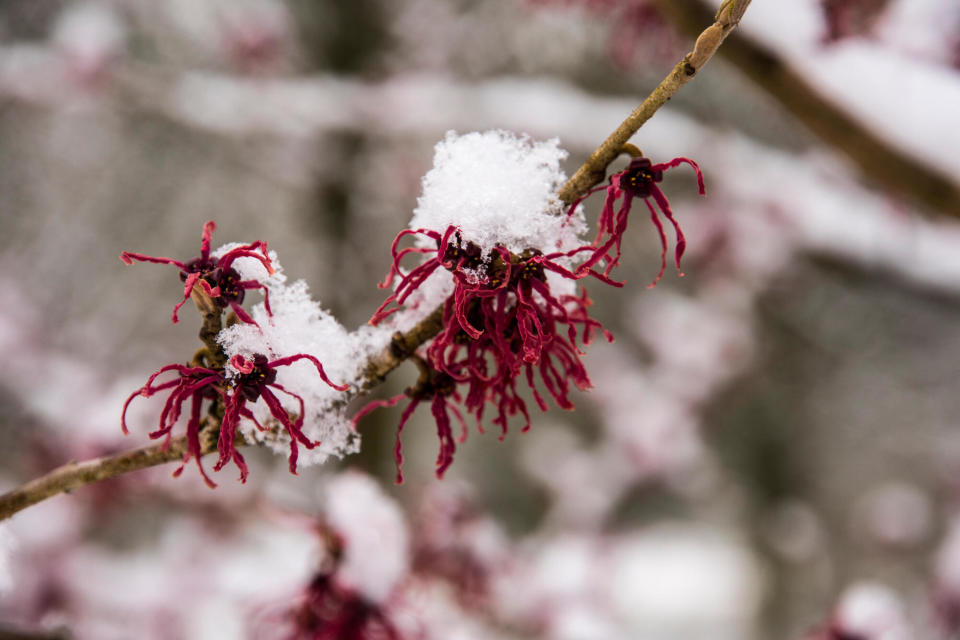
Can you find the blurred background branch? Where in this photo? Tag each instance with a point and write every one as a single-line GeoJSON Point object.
{"type": "Point", "coordinates": [885, 168]}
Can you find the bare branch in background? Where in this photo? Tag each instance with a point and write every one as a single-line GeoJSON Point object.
{"type": "Point", "coordinates": [879, 161]}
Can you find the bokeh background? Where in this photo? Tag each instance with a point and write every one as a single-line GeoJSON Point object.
{"type": "Point", "coordinates": [771, 449]}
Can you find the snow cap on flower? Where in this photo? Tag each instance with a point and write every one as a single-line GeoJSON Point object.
{"type": "Point", "coordinates": [376, 552]}
{"type": "Point", "coordinates": [498, 189]}
{"type": "Point", "coordinates": [490, 227]}
{"type": "Point", "coordinates": [298, 325]}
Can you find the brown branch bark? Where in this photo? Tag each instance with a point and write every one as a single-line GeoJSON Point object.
{"type": "Point", "coordinates": [594, 169]}
{"type": "Point", "coordinates": [879, 161]}
{"type": "Point", "coordinates": [77, 474]}
{"type": "Point", "coordinates": [74, 474]}
{"type": "Point", "coordinates": [401, 347]}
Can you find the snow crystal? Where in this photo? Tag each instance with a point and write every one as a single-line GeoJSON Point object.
{"type": "Point", "coordinates": [376, 549]}
{"type": "Point", "coordinates": [253, 269]}
{"type": "Point", "coordinates": [300, 325]}
{"type": "Point", "coordinates": [498, 188]}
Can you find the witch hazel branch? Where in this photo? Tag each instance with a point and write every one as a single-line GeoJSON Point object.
{"type": "Point", "coordinates": [488, 297]}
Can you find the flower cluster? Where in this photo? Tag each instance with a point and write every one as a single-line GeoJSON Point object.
{"type": "Point", "coordinates": [503, 320]}
{"type": "Point", "coordinates": [216, 276]}
{"type": "Point", "coordinates": [235, 383]}
{"type": "Point", "coordinates": [511, 310]}
{"type": "Point", "coordinates": [498, 254]}
{"type": "Point", "coordinates": [255, 379]}
{"type": "Point", "coordinates": [356, 589]}
{"type": "Point", "coordinates": [195, 384]}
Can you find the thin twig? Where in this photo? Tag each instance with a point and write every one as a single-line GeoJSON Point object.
{"type": "Point", "coordinates": [77, 474]}
{"type": "Point", "coordinates": [401, 347]}
{"type": "Point", "coordinates": [594, 169]}
{"type": "Point", "coordinates": [888, 167]}
{"type": "Point", "coordinates": [74, 474]}
{"type": "Point", "coordinates": [210, 327]}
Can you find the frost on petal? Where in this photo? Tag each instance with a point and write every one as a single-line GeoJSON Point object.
{"type": "Point", "coordinates": [497, 188]}
{"type": "Point", "coordinates": [376, 547]}
{"type": "Point", "coordinates": [252, 269]}
{"type": "Point", "coordinates": [299, 325]}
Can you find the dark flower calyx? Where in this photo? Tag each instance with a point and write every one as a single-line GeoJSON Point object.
{"type": "Point", "coordinates": [253, 376]}
{"type": "Point", "coordinates": [459, 255]}
{"type": "Point", "coordinates": [639, 176]}
{"type": "Point", "coordinates": [431, 383]}
{"type": "Point", "coordinates": [226, 282]}
{"type": "Point", "coordinates": [216, 276]}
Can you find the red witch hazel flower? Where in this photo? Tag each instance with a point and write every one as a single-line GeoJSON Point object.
{"type": "Point", "coordinates": [192, 383]}
{"type": "Point", "coordinates": [216, 276]}
{"type": "Point", "coordinates": [439, 388]}
{"type": "Point", "coordinates": [512, 309]}
{"type": "Point", "coordinates": [638, 180]}
{"type": "Point", "coordinates": [253, 379]}
{"type": "Point", "coordinates": [502, 313]}
{"type": "Point", "coordinates": [357, 591]}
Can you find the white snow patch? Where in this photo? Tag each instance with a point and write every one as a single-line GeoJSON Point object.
{"type": "Point", "coordinates": [299, 325]}
{"type": "Point", "coordinates": [872, 611]}
{"type": "Point", "coordinates": [498, 189]}
{"type": "Point", "coordinates": [692, 581]}
{"type": "Point", "coordinates": [376, 551]}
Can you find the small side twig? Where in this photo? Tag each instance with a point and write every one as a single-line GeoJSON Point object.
{"type": "Point", "coordinates": [594, 169]}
